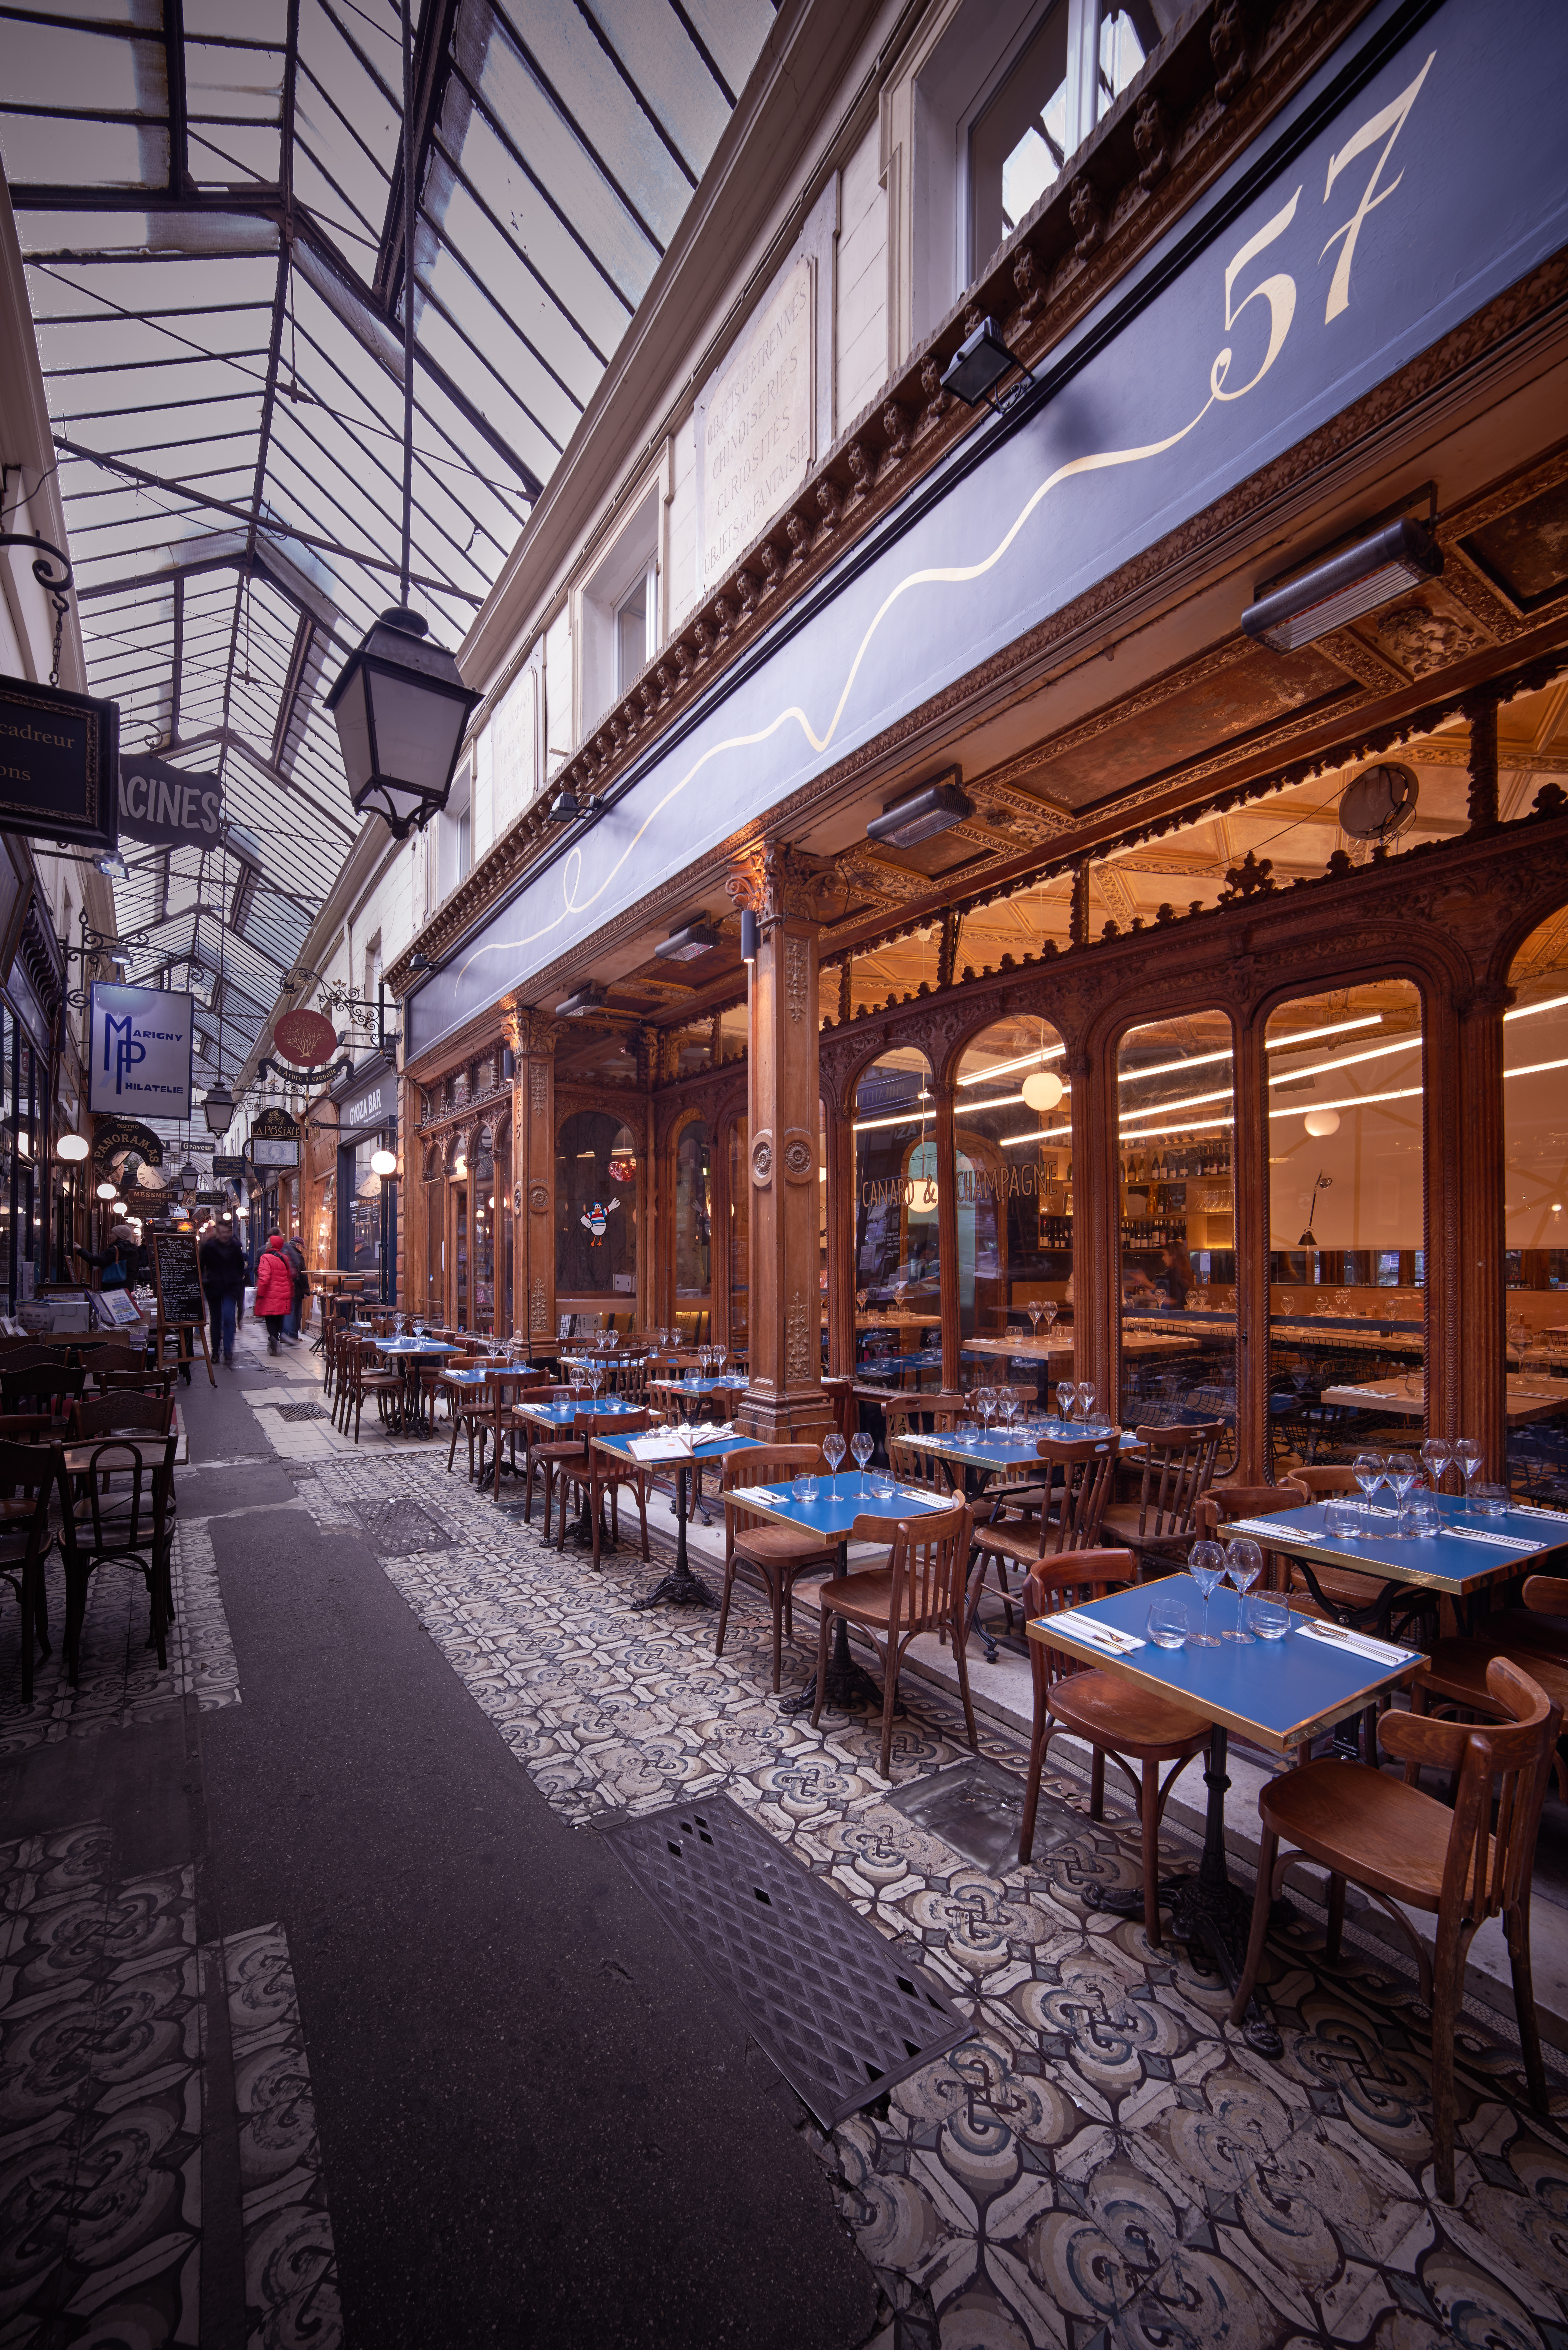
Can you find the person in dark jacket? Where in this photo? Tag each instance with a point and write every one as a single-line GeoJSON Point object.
{"type": "Point", "coordinates": [301, 1281]}
{"type": "Point", "coordinates": [274, 1289]}
{"type": "Point", "coordinates": [223, 1283]}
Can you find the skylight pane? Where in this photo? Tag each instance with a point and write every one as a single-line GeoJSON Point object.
{"type": "Point", "coordinates": [227, 155]}
{"type": "Point", "coordinates": [87, 72]}
{"type": "Point", "coordinates": [223, 82]}
{"type": "Point", "coordinates": [516, 293]}
{"type": "Point", "coordinates": [653, 46]}
{"type": "Point", "coordinates": [733, 32]}
{"type": "Point", "coordinates": [515, 426]}
{"type": "Point", "coordinates": [471, 312]}
{"type": "Point", "coordinates": [239, 20]}
{"type": "Point", "coordinates": [43, 150]}
{"type": "Point", "coordinates": [577, 286]}
{"type": "Point", "coordinates": [605, 112]}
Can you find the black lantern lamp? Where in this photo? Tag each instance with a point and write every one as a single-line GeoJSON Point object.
{"type": "Point", "coordinates": [218, 1109]}
{"type": "Point", "coordinates": [400, 705]}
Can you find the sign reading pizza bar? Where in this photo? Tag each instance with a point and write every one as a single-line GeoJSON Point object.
{"type": "Point", "coordinates": [141, 1043]}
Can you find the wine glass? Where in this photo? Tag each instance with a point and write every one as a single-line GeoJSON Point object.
{"type": "Point", "coordinates": [419, 1326]}
{"type": "Point", "coordinates": [1437, 1452]}
{"type": "Point", "coordinates": [1050, 1309]}
{"type": "Point", "coordinates": [862, 1445]}
{"type": "Point", "coordinates": [1368, 1468]}
{"type": "Point", "coordinates": [1035, 1310]}
{"type": "Point", "coordinates": [1469, 1456]}
{"type": "Point", "coordinates": [1085, 1398]}
{"type": "Point", "coordinates": [1399, 1475]}
{"type": "Point", "coordinates": [985, 1404]}
{"type": "Point", "coordinates": [1206, 1565]}
{"type": "Point", "coordinates": [1243, 1565]}
{"type": "Point", "coordinates": [832, 1451]}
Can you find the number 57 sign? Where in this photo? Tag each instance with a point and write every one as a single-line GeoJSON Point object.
{"type": "Point", "coordinates": [141, 1043]}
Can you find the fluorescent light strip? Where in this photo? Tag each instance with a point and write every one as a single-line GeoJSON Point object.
{"type": "Point", "coordinates": [1528, 1011]}
{"type": "Point", "coordinates": [1047, 1134]}
{"type": "Point", "coordinates": [1187, 1101]}
{"type": "Point", "coordinates": [1535, 1068]}
{"type": "Point", "coordinates": [1024, 1061]}
{"type": "Point", "coordinates": [1182, 1126]}
{"type": "Point", "coordinates": [1004, 1101]}
{"type": "Point", "coordinates": [1350, 1101]}
{"type": "Point", "coordinates": [1279, 1045]}
{"type": "Point", "coordinates": [905, 1118]}
{"type": "Point", "coordinates": [1408, 1043]}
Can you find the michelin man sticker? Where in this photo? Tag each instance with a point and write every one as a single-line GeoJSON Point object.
{"type": "Point", "coordinates": [595, 1220]}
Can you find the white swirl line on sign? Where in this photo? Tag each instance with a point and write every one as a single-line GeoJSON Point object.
{"type": "Point", "coordinates": [952, 575]}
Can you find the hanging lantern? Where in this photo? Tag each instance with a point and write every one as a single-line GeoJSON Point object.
{"type": "Point", "coordinates": [383, 1163]}
{"type": "Point", "coordinates": [72, 1147]}
{"type": "Point", "coordinates": [400, 708]}
{"type": "Point", "coordinates": [105, 1191]}
{"type": "Point", "coordinates": [218, 1109]}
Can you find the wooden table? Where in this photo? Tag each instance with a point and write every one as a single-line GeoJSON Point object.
{"type": "Point", "coordinates": [1526, 1399]}
{"type": "Point", "coordinates": [831, 1513]}
{"type": "Point", "coordinates": [680, 1585]}
{"type": "Point", "coordinates": [1278, 1693]}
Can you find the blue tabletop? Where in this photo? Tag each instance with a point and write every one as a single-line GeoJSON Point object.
{"type": "Point", "coordinates": [725, 1381]}
{"type": "Point", "coordinates": [563, 1411]}
{"type": "Point", "coordinates": [1013, 1449]}
{"type": "Point", "coordinates": [1276, 1691]}
{"type": "Point", "coordinates": [477, 1377]}
{"type": "Point", "coordinates": [927, 1358]}
{"type": "Point", "coordinates": [1469, 1551]}
{"type": "Point", "coordinates": [415, 1346]}
{"type": "Point", "coordinates": [707, 1448]}
{"type": "Point", "coordinates": [838, 1502]}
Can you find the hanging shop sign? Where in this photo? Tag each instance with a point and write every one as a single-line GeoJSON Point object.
{"type": "Point", "coordinates": [167, 807]}
{"type": "Point", "coordinates": [369, 1099]}
{"type": "Point", "coordinates": [142, 1039]}
{"type": "Point", "coordinates": [229, 1170]}
{"type": "Point", "coordinates": [114, 1138]}
{"type": "Point", "coordinates": [304, 1037]}
{"type": "Point", "coordinates": [1411, 182]}
{"type": "Point", "coordinates": [273, 1140]}
{"type": "Point", "coordinates": [57, 760]}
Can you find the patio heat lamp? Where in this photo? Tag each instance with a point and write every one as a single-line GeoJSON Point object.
{"type": "Point", "coordinates": [400, 703]}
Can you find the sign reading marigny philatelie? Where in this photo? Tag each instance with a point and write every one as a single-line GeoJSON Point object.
{"type": "Point", "coordinates": [164, 806]}
{"type": "Point", "coordinates": [142, 1039]}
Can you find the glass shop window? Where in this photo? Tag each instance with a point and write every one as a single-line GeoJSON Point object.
{"type": "Point", "coordinates": [324, 1237]}
{"type": "Point", "coordinates": [1013, 1117]}
{"type": "Point", "coordinates": [898, 1271]}
{"type": "Point", "coordinates": [1176, 1112]}
{"type": "Point", "coordinates": [693, 1212]}
{"type": "Point", "coordinates": [597, 1180]}
{"type": "Point", "coordinates": [501, 1214]}
{"type": "Point", "coordinates": [365, 1212]}
{"type": "Point", "coordinates": [1535, 1213]}
{"type": "Point", "coordinates": [482, 1191]}
{"type": "Point", "coordinates": [1348, 1337]}
{"type": "Point", "coordinates": [434, 1303]}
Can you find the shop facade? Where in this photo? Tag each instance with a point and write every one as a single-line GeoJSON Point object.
{"type": "Point", "coordinates": [1047, 1055]}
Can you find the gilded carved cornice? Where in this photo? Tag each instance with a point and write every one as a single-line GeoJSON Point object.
{"type": "Point", "coordinates": [1219, 82]}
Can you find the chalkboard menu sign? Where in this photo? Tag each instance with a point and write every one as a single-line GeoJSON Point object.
{"type": "Point", "coordinates": [177, 1277]}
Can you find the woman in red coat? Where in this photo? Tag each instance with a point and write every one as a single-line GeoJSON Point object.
{"type": "Point", "coordinates": [274, 1289]}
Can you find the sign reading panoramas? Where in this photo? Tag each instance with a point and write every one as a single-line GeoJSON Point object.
{"type": "Point", "coordinates": [755, 446]}
{"type": "Point", "coordinates": [1406, 186]}
{"type": "Point", "coordinates": [141, 1047]}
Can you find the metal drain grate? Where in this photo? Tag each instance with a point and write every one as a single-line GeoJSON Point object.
{"type": "Point", "coordinates": [300, 1410]}
{"type": "Point", "coordinates": [395, 1529]}
{"type": "Point", "coordinates": [843, 2012]}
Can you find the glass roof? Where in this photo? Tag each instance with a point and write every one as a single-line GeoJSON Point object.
{"type": "Point", "coordinates": [209, 199]}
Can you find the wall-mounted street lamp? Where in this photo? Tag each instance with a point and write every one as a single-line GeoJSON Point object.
{"type": "Point", "coordinates": [978, 366]}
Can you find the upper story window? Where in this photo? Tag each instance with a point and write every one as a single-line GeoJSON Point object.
{"type": "Point", "coordinates": [453, 831]}
{"type": "Point", "coordinates": [618, 609]}
{"type": "Point", "coordinates": [634, 636]}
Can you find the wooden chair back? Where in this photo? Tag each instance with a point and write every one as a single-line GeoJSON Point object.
{"type": "Point", "coordinates": [27, 1473]}
{"type": "Point", "coordinates": [1086, 1464]}
{"type": "Point", "coordinates": [1546, 1595]}
{"type": "Point", "coordinates": [938, 1414]}
{"type": "Point", "coordinates": [43, 1383]}
{"type": "Point", "coordinates": [1177, 1469]}
{"type": "Point", "coordinates": [1506, 1764]}
{"type": "Point", "coordinates": [1220, 1504]}
{"type": "Point", "coordinates": [928, 1563]}
{"type": "Point", "coordinates": [26, 1428]}
{"type": "Point", "coordinates": [771, 1464]}
{"type": "Point", "coordinates": [124, 1521]}
{"type": "Point", "coordinates": [143, 1382]}
{"type": "Point", "coordinates": [99, 1361]}
{"type": "Point", "coordinates": [1067, 1582]}
{"type": "Point", "coordinates": [1322, 1484]}
{"type": "Point", "coordinates": [95, 1415]}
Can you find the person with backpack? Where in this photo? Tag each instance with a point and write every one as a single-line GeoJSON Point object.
{"type": "Point", "coordinates": [223, 1285]}
{"type": "Point", "coordinates": [274, 1289]}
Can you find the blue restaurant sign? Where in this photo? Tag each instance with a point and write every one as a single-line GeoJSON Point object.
{"type": "Point", "coordinates": [1417, 176]}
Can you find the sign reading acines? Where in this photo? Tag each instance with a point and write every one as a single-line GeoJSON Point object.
{"type": "Point", "coordinates": [139, 1053]}
{"type": "Point", "coordinates": [166, 806]}
{"type": "Point", "coordinates": [111, 1135]}
{"type": "Point", "coordinates": [275, 1139]}
{"type": "Point", "coordinates": [755, 446]}
{"type": "Point", "coordinates": [57, 755]}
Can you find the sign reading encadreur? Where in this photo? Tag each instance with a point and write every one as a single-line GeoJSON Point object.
{"type": "Point", "coordinates": [142, 1043]}
{"type": "Point", "coordinates": [165, 806]}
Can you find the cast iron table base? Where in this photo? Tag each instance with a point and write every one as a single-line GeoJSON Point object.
{"type": "Point", "coordinates": [1208, 1911]}
{"type": "Point", "coordinates": [679, 1585]}
{"type": "Point", "coordinates": [847, 1685]}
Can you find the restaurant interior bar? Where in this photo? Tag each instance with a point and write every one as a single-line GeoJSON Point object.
{"type": "Point", "coordinates": [880, 999]}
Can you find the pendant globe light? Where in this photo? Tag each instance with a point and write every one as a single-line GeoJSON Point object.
{"type": "Point", "coordinates": [400, 704]}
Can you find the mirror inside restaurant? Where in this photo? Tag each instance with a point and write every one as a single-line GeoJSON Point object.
{"type": "Point", "coordinates": [898, 1286]}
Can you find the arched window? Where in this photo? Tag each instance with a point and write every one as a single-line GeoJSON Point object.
{"type": "Point", "coordinates": [596, 1184]}
{"type": "Point", "coordinates": [693, 1216]}
{"type": "Point", "coordinates": [898, 1270]}
{"type": "Point", "coordinates": [1535, 1210]}
{"type": "Point", "coordinates": [1013, 1134]}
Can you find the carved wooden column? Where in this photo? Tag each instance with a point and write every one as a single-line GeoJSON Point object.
{"type": "Point", "coordinates": [533, 1181]}
{"type": "Point", "coordinates": [1250, 1204]}
{"type": "Point", "coordinates": [1472, 1373]}
{"type": "Point", "coordinates": [720, 1234]}
{"type": "Point", "coordinates": [784, 1397]}
{"type": "Point", "coordinates": [948, 1231]}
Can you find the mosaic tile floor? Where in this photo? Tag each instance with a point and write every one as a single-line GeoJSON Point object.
{"type": "Point", "coordinates": [1104, 2162]}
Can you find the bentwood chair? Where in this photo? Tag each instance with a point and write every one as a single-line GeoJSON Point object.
{"type": "Point", "coordinates": [760, 1553]}
{"type": "Point", "coordinates": [469, 1407]}
{"type": "Point", "coordinates": [45, 1387]}
{"type": "Point", "coordinates": [29, 1475]}
{"type": "Point", "coordinates": [121, 1514]}
{"type": "Point", "coordinates": [1159, 1527]}
{"type": "Point", "coordinates": [361, 1381]}
{"type": "Point", "coordinates": [1534, 1637]}
{"type": "Point", "coordinates": [1222, 1504]}
{"type": "Point", "coordinates": [1113, 1716]}
{"type": "Point", "coordinates": [1462, 1864]}
{"type": "Point", "coordinates": [608, 1472]}
{"type": "Point", "coordinates": [920, 1589]}
{"type": "Point", "coordinates": [1077, 1481]}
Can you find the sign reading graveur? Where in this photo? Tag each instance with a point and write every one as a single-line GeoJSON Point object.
{"type": "Point", "coordinates": [167, 807]}
{"type": "Point", "coordinates": [1414, 179]}
{"type": "Point", "coordinates": [57, 752]}
{"type": "Point", "coordinates": [141, 1047]}
{"type": "Point", "coordinates": [755, 446]}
